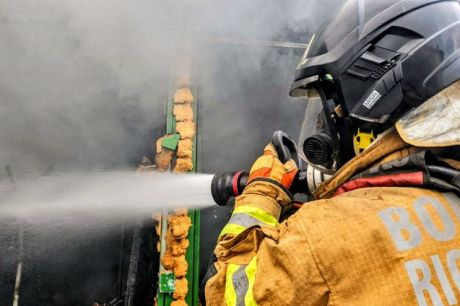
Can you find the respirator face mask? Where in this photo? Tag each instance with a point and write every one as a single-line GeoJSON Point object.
{"type": "Point", "coordinates": [318, 138]}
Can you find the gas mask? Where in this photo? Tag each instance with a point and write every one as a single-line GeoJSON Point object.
{"type": "Point", "coordinates": [320, 138]}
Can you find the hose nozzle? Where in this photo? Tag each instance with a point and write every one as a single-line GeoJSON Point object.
{"type": "Point", "coordinates": [226, 185]}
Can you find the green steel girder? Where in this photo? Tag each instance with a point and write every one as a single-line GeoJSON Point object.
{"type": "Point", "coordinates": [193, 252]}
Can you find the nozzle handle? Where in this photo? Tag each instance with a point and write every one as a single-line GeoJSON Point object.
{"type": "Point", "coordinates": [285, 147]}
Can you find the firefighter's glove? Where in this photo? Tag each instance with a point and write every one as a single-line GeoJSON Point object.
{"type": "Point", "coordinates": [271, 178]}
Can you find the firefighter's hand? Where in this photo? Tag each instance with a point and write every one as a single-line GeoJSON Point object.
{"type": "Point", "coordinates": [270, 167]}
{"type": "Point", "coordinates": [269, 176]}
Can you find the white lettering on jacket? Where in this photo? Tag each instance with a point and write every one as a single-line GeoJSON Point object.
{"type": "Point", "coordinates": [406, 235]}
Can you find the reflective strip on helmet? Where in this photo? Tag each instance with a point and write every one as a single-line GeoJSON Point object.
{"type": "Point", "coordinates": [246, 216]}
{"type": "Point", "coordinates": [257, 213]}
{"type": "Point", "coordinates": [239, 284]}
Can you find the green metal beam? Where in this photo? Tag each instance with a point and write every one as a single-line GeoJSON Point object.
{"type": "Point", "coordinates": [193, 252]}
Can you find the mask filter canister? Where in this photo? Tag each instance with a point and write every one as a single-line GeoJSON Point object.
{"type": "Point", "coordinates": [318, 149]}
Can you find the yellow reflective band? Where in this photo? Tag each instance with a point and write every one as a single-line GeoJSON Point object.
{"type": "Point", "coordinates": [251, 274]}
{"type": "Point", "coordinates": [257, 213]}
{"type": "Point", "coordinates": [230, 293]}
{"type": "Point", "coordinates": [233, 229]}
{"type": "Point", "coordinates": [239, 284]}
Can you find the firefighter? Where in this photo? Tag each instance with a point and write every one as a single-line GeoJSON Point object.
{"type": "Point", "coordinates": [382, 82]}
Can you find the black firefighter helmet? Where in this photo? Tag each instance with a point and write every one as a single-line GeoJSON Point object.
{"type": "Point", "coordinates": [375, 61]}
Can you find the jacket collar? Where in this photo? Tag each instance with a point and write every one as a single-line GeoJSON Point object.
{"type": "Point", "coordinates": [389, 145]}
{"type": "Point", "coordinates": [392, 162]}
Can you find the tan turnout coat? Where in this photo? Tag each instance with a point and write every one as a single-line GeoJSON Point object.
{"type": "Point", "coordinates": [368, 246]}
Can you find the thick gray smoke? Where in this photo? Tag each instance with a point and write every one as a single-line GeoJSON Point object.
{"type": "Point", "coordinates": [84, 83]}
